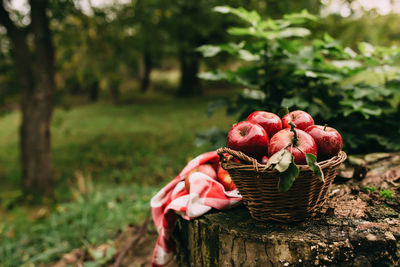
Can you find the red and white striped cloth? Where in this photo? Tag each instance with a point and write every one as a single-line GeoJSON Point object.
{"type": "Point", "coordinates": [173, 200]}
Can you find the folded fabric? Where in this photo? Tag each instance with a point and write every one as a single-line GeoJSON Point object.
{"type": "Point", "coordinates": [173, 200]}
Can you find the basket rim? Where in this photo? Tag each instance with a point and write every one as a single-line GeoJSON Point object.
{"type": "Point", "coordinates": [250, 164]}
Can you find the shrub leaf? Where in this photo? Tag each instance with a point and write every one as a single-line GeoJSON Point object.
{"type": "Point", "coordinates": [287, 177]}
{"type": "Point", "coordinates": [285, 161]}
{"type": "Point", "coordinates": [280, 160]}
{"type": "Point", "coordinates": [314, 167]}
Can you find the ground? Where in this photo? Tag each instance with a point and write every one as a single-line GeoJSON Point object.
{"type": "Point", "coordinates": [352, 197]}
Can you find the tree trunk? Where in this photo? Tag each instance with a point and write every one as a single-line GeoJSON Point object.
{"type": "Point", "coordinates": [115, 92]}
{"type": "Point", "coordinates": [94, 91]}
{"type": "Point", "coordinates": [36, 78]}
{"type": "Point", "coordinates": [37, 107]}
{"type": "Point", "coordinates": [189, 82]}
{"type": "Point", "coordinates": [73, 86]}
{"type": "Point", "coordinates": [355, 228]}
{"type": "Point", "coordinates": [146, 67]}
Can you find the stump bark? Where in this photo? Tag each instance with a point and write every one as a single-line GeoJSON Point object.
{"type": "Point", "coordinates": [358, 226]}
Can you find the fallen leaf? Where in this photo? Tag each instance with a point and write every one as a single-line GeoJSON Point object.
{"type": "Point", "coordinates": [393, 175]}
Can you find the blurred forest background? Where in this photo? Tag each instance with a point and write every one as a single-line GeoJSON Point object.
{"type": "Point", "coordinates": [103, 102]}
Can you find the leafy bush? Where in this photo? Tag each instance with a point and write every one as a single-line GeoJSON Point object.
{"type": "Point", "coordinates": [281, 66]}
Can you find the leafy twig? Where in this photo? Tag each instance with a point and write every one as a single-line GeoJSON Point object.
{"type": "Point", "coordinates": [295, 137]}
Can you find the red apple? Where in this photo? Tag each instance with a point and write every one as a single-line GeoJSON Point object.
{"type": "Point", "coordinates": [269, 121]}
{"type": "Point", "coordinates": [329, 141]}
{"type": "Point", "coordinates": [249, 138]}
{"type": "Point", "coordinates": [264, 160]}
{"type": "Point", "coordinates": [225, 179]}
{"type": "Point", "coordinates": [284, 138]}
{"type": "Point", "coordinates": [207, 169]}
{"type": "Point", "coordinates": [300, 118]}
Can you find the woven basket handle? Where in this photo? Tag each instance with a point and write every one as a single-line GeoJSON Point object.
{"type": "Point", "coordinates": [236, 154]}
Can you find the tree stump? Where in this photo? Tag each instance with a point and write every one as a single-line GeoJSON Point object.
{"type": "Point", "coordinates": [358, 226]}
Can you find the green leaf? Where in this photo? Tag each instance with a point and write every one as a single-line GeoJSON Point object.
{"type": "Point", "coordinates": [212, 76]}
{"type": "Point", "coordinates": [315, 168]}
{"type": "Point", "coordinates": [209, 50]}
{"type": "Point", "coordinates": [366, 49]}
{"type": "Point", "coordinates": [253, 94]}
{"type": "Point", "coordinates": [310, 74]}
{"type": "Point", "coordinates": [213, 50]}
{"type": "Point", "coordinates": [232, 48]}
{"type": "Point", "coordinates": [295, 101]}
{"type": "Point", "coordinates": [275, 158]}
{"type": "Point", "coordinates": [296, 18]}
{"type": "Point", "coordinates": [371, 110]}
{"type": "Point", "coordinates": [248, 56]}
{"type": "Point", "coordinates": [251, 31]}
{"type": "Point", "coordinates": [350, 52]}
{"type": "Point", "coordinates": [287, 177]}
{"type": "Point", "coordinates": [222, 9]}
{"type": "Point", "coordinates": [270, 24]}
{"type": "Point", "coordinates": [251, 17]}
{"type": "Point", "coordinates": [241, 31]}
{"type": "Point", "coordinates": [91, 264]}
{"type": "Point", "coordinates": [328, 38]}
{"type": "Point", "coordinates": [351, 64]}
{"type": "Point", "coordinates": [109, 254]}
{"type": "Point", "coordinates": [284, 163]}
{"type": "Point", "coordinates": [280, 160]}
{"type": "Point", "coordinates": [269, 35]}
{"type": "Point", "coordinates": [294, 32]}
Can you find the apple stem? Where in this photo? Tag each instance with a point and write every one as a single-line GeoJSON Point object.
{"type": "Point", "coordinates": [326, 125]}
{"type": "Point", "coordinates": [295, 138]}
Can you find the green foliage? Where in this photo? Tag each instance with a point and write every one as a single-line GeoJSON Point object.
{"type": "Point", "coordinates": [212, 136]}
{"type": "Point", "coordinates": [369, 188]}
{"type": "Point", "coordinates": [8, 79]}
{"type": "Point", "coordinates": [387, 194]}
{"type": "Point", "coordinates": [282, 66]}
{"type": "Point", "coordinates": [93, 49]}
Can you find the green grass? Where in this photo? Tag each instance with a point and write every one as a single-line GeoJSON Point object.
{"type": "Point", "coordinates": [142, 143]}
{"type": "Point", "coordinates": [91, 219]}
{"type": "Point", "coordinates": [108, 161]}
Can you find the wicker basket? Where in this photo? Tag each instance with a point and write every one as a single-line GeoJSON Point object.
{"type": "Point", "coordinates": [258, 187]}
